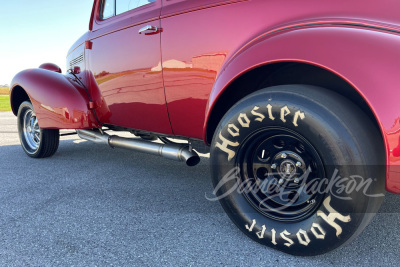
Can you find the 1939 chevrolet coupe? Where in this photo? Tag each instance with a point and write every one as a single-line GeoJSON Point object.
{"type": "Point", "coordinates": [297, 102]}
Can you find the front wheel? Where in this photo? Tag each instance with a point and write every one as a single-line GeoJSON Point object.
{"type": "Point", "coordinates": [298, 168]}
{"type": "Point", "coordinates": [36, 142]}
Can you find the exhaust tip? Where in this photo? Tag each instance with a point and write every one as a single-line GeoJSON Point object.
{"type": "Point", "coordinates": [193, 161]}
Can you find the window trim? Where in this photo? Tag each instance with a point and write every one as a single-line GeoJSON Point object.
{"type": "Point", "coordinates": [101, 9]}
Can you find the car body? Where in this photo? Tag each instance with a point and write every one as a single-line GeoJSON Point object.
{"type": "Point", "coordinates": [173, 68]}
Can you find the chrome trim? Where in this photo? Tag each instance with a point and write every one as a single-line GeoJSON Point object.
{"type": "Point", "coordinates": [31, 130]}
{"type": "Point", "coordinates": [94, 136]}
{"type": "Point", "coordinates": [148, 28]}
{"type": "Point", "coordinates": [76, 61]}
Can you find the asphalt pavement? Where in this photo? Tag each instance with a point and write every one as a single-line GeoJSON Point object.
{"type": "Point", "coordinates": [91, 205]}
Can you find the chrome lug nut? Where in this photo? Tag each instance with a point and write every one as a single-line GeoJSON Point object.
{"type": "Point", "coordinates": [281, 181]}
{"type": "Point", "coordinates": [284, 156]}
{"type": "Point", "coordinates": [298, 164]}
{"type": "Point", "coordinates": [297, 180]}
{"type": "Point", "coordinates": [273, 166]}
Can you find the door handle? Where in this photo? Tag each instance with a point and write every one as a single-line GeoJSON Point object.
{"type": "Point", "coordinates": [148, 28]}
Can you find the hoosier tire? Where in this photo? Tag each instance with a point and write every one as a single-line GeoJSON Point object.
{"type": "Point", "coordinates": [36, 142]}
{"type": "Point", "coordinates": [298, 168]}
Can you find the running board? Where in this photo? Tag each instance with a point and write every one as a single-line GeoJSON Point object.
{"type": "Point", "coordinates": [177, 152]}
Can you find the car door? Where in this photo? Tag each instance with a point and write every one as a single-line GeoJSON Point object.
{"type": "Point", "coordinates": [196, 40]}
{"type": "Point", "coordinates": [125, 62]}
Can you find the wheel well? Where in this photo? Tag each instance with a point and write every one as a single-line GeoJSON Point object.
{"type": "Point", "coordinates": [283, 74]}
{"type": "Point", "coordinates": [18, 96]}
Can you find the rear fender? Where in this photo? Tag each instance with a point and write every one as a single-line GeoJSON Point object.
{"type": "Point", "coordinates": [367, 58]}
{"type": "Point", "coordinates": [59, 101]}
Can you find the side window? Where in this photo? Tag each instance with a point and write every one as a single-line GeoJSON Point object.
{"type": "Point", "coordinates": [108, 9]}
{"type": "Point", "coordinates": [126, 5]}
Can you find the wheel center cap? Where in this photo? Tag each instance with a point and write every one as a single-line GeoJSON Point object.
{"type": "Point", "coordinates": [29, 129]}
{"type": "Point", "coordinates": [288, 166]}
{"type": "Point", "coordinates": [287, 169]}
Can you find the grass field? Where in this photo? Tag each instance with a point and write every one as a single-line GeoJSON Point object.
{"type": "Point", "coordinates": [5, 103]}
{"type": "Point", "coordinates": [3, 90]}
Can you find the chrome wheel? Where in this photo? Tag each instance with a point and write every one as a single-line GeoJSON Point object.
{"type": "Point", "coordinates": [31, 130]}
{"type": "Point", "coordinates": [36, 142]}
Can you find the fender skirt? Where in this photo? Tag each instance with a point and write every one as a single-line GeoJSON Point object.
{"type": "Point", "coordinates": [58, 100]}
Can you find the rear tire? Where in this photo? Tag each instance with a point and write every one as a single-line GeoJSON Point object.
{"type": "Point", "coordinates": [36, 142]}
{"type": "Point", "coordinates": [272, 146]}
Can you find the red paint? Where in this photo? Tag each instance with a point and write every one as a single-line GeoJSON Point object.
{"type": "Point", "coordinates": [261, 39]}
{"type": "Point", "coordinates": [88, 45]}
{"type": "Point", "coordinates": [51, 67]}
{"type": "Point", "coordinates": [59, 102]}
{"type": "Point", "coordinates": [284, 46]}
{"type": "Point", "coordinates": [123, 63]}
{"type": "Point", "coordinates": [170, 81]}
{"type": "Point", "coordinates": [76, 70]}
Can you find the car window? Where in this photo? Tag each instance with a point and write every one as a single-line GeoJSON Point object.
{"type": "Point", "coordinates": [108, 9]}
{"type": "Point", "coordinates": [126, 5]}
{"type": "Point", "coordinates": [111, 8]}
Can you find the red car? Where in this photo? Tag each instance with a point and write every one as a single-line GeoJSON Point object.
{"type": "Point", "coordinates": [297, 102]}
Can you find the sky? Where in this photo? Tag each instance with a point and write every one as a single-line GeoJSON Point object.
{"type": "Point", "coordinates": [40, 31]}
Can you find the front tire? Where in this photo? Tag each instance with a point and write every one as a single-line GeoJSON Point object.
{"type": "Point", "coordinates": [298, 168]}
{"type": "Point", "coordinates": [36, 142]}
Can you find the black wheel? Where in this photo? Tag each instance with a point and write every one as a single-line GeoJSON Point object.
{"type": "Point", "coordinates": [298, 168]}
{"type": "Point", "coordinates": [36, 142]}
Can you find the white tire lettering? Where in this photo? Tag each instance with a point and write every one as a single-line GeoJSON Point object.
{"type": "Point", "coordinates": [269, 107]}
{"type": "Point", "coordinates": [314, 231]}
{"type": "Point", "coordinates": [273, 241]}
{"type": "Point", "coordinates": [260, 116]}
{"type": "Point", "coordinates": [298, 115]}
{"type": "Point", "coordinates": [250, 228]}
{"type": "Point", "coordinates": [284, 112]}
{"type": "Point", "coordinates": [333, 215]}
{"type": "Point", "coordinates": [261, 233]}
{"type": "Point", "coordinates": [233, 130]}
{"type": "Point", "coordinates": [301, 235]}
{"type": "Point", "coordinates": [303, 238]}
{"type": "Point", "coordinates": [224, 146]}
{"type": "Point", "coordinates": [284, 236]}
{"type": "Point", "coordinates": [244, 120]}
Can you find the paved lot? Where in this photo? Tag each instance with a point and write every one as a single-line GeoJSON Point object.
{"type": "Point", "coordinates": [91, 205]}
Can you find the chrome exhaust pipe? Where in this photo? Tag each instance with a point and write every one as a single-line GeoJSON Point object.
{"type": "Point", "coordinates": [177, 152]}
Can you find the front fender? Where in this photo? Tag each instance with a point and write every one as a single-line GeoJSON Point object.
{"type": "Point", "coordinates": [59, 102]}
{"type": "Point", "coordinates": [365, 57]}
